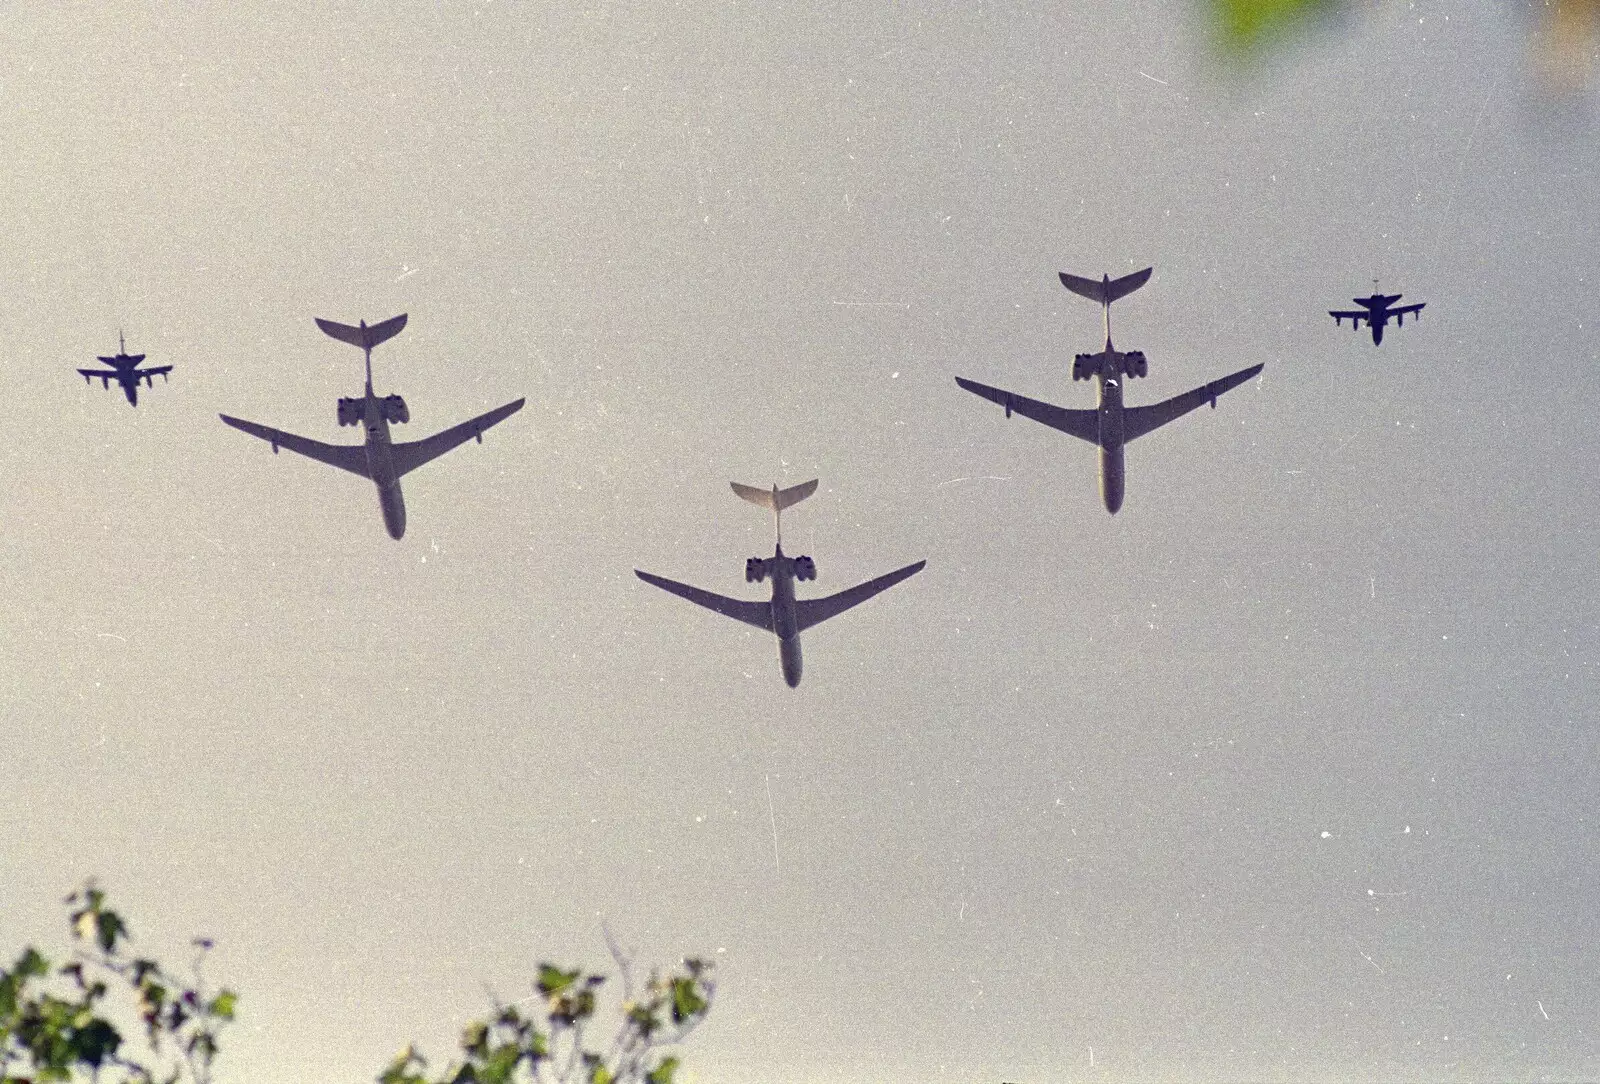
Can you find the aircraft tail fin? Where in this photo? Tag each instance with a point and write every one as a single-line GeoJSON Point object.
{"type": "Point", "coordinates": [365, 337]}
{"type": "Point", "coordinates": [776, 499]}
{"type": "Point", "coordinates": [1107, 289]}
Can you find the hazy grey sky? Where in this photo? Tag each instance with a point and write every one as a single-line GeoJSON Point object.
{"type": "Point", "coordinates": [1286, 771]}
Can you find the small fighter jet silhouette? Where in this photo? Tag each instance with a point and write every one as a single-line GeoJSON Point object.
{"type": "Point", "coordinates": [1376, 310]}
{"type": "Point", "coordinates": [125, 371]}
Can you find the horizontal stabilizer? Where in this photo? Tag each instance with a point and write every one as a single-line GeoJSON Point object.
{"type": "Point", "coordinates": [1108, 289]}
{"type": "Point", "coordinates": [775, 498]}
{"type": "Point", "coordinates": [133, 358]}
{"type": "Point", "coordinates": [363, 336]}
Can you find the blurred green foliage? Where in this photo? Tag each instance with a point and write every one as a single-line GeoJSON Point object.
{"type": "Point", "coordinates": [1563, 33]}
{"type": "Point", "coordinates": [51, 1022]}
{"type": "Point", "coordinates": [1245, 25]}
{"type": "Point", "coordinates": [550, 1044]}
{"type": "Point", "coordinates": [52, 1026]}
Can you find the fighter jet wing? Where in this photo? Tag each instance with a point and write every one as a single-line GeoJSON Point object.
{"type": "Point", "coordinates": [1354, 317]}
{"type": "Point", "coordinates": [410, 455]}
{"type": "Point", "coordinates": [1083, 424]}
{"type": "Point", "coordinates": [146, 374]}
{"type": "Point", "coordinates": [814, 611]}
{"type": "Point", "coordinates": [350, 457]}
{"type": "Point", "coordinates": [1137, 421]}
{"type": "Point", "coordinates": [103, 374]}
{"type": "Point", "coordinates": [758, 614]}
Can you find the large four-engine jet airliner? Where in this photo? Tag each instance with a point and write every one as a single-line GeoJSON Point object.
{"type": "Point", "coordinates": [125, 371]}
{"type": "Point", "coordinates": [1111, 425]}
{"type": "Point", "coordinates": [1376, 311]}
{"type": "Point", "coordinates": [380, 459]}
{"type": "Point", "coordinates": [785, 615]}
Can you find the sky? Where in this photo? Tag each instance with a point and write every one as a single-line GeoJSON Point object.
{"type": "Point", "coordinates": [1284, 772]}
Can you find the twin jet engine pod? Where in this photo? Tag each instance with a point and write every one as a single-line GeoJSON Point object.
{"type": "Point", "coordinates": [755, 570]}
{"type": "Point", "coordinates": [353, 411]}
{"type": "Point", "coordinates": [805, 568]}
{"type": "Point", "coordinates": [1085, 366]}
{"type": "Point", "coordinates": [1134, 363]}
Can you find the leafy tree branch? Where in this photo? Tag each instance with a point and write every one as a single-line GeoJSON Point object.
{"type": "Point", "coordinates": [51, 1022]}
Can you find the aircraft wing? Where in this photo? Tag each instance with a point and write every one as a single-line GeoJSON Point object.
{"type": "Point", "coordinates": [1083, 424]}
{"type": "Point", "coordinates": [350, 457]}
{"type": "Point", "coordinates": [1137, 421]}
{"type": "Point", "coordinates": [814, 611]}
{"type": "Point", "coordinates": [410, 455]}
{"type": "Point", "coordinates": [758, 614]}
{"type": "Point", "coordinates": [159, 370]}
{"type": "Point", "coordinates": [1403, 309]}
{"type": "Point", "coordinates": [1355, 318]}
{"type": "Point", "coordinates": [103, 374]}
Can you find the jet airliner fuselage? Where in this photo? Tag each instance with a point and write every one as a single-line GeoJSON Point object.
{"type": "Point", "coordinates": [1111, 425]}
{"type": "Point", "coordinates": [379, 458]}
{"type": "Point", "coordinates": [380, 462]}
{"type": "Point", "coordinates": [785, 616]}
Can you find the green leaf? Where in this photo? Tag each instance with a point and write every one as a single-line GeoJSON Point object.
{"type": "Point", "coordinates": [31, 965]}
{"type": "Point", "coordinates": [686, 1000]}
{"type": "Point", "coordinates": [553, 980]}
{"type": "Point", "coordinates": [400, 1069]}
{"type": "Point", "coordinates": [662, 1074]}
{"type": "Point", "coordinates": [108, 927]}
{"type": "Point", "coordinates": [1247, 24]}
{"type": "Point", "coordinates": [152, 998]}
{"type": "Point", "coordinates": [222, 1005]}
{"type": "Point", "coordinates": [501, 1064]}
{"type": "Point", "coordinates": [94, 1041]}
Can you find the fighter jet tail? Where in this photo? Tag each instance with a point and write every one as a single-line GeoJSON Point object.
{"type": "Point", "coordinates": [776, 499]}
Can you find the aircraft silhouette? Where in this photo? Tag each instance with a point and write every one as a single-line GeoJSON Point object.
{"type": "Point", "coordinates": [1111, 425]}
{"type": "Point", "coordinates": [125, 371]}
{"type": "Point", "coordinates": [1375, 310]}
{"type": "Point", "coordinates": [380, 459]}
{"type": "Point", "coordinates": [785, 615]}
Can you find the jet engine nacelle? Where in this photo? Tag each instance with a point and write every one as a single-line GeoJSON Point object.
{"type": "Point", "coordinates": [1134, 363]}
{"type": "Point", "coordinates": [349, 411]}
{"type": "Point", "coordinates": [755, 570]}
{"type": "Point", "coordinates": [394, 409]}
{"type": "Point", "coordinates": [805, 568]}
{"type": "Point", "coordinates": [1085, 366]}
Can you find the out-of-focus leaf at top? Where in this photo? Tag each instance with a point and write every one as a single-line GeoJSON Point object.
{"type": "Point", "coordinates": [1565, 44]}
{"type": "Point", "coordinates": [1246, 25]}
{"type": "Point", "coordinates": [1564, 41]}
